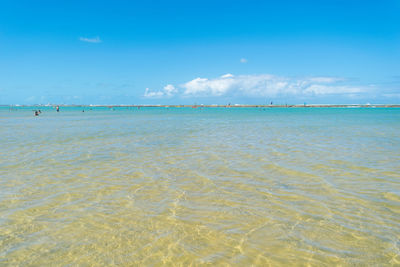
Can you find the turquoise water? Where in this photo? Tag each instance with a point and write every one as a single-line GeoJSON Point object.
{"type": "Point", "coordinates": [181, 186]}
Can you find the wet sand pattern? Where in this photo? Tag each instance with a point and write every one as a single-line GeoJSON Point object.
{"type": "Point", "coordinates": [188, 187]}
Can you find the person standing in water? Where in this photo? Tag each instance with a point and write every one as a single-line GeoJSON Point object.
{"type": "Point", "coordinates": [58, 108]}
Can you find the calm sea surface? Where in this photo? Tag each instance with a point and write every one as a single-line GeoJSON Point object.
{"type": "Point", "coordinates": [182, 186]}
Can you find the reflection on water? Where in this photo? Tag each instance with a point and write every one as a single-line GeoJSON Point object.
{"type": "Point", "coordinates": [200, 186]}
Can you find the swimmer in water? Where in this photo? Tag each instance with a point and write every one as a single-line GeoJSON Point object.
{"type": "Point", "coordinates": [58, 109]}
{"type": "Point", "coordinates": [36, 113]}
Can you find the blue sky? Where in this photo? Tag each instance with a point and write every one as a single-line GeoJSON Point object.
{"type": "Point", "coordinates": [210, 52]}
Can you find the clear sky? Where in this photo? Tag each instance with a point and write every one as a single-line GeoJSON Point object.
{"type": "Point", "coordinates": [204, 52]}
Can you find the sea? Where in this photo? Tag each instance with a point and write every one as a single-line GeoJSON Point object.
{"type": "Point", "coordinates": [212, 186]}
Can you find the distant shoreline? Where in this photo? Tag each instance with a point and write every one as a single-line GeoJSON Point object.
{"type": "Point", "coordinates": [227, 106]}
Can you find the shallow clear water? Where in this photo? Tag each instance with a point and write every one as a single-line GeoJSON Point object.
{"type": "Point", "coordinates": [181, 186]}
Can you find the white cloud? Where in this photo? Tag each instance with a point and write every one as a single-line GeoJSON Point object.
{"type": "Point", "coordinates": [266, 85]}
{"type": "Point", "coordinates": [149, 94]}
{"type": "Point", "coordinates": [90, 40]}
{"type": "Point", "coordinates": [243, 60]}
{"type": "Point", "coordinates": [215, 87]}
{"type": "Point", "coordinates": [228, 75]}
{"type": "Point", "coordinates": [168, 91]}
{"type": "Point", "coordinates": [260, 85]}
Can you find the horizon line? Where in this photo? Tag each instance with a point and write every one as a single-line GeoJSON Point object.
{"type": "Point", "coordinates": [204, 105]}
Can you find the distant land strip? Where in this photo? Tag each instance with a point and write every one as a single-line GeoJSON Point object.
{"type": "Point", "coordinates": [225, 106]}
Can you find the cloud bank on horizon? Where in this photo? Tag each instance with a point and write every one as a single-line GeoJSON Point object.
{"type": "Point", "coordinates": [260, 85]}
